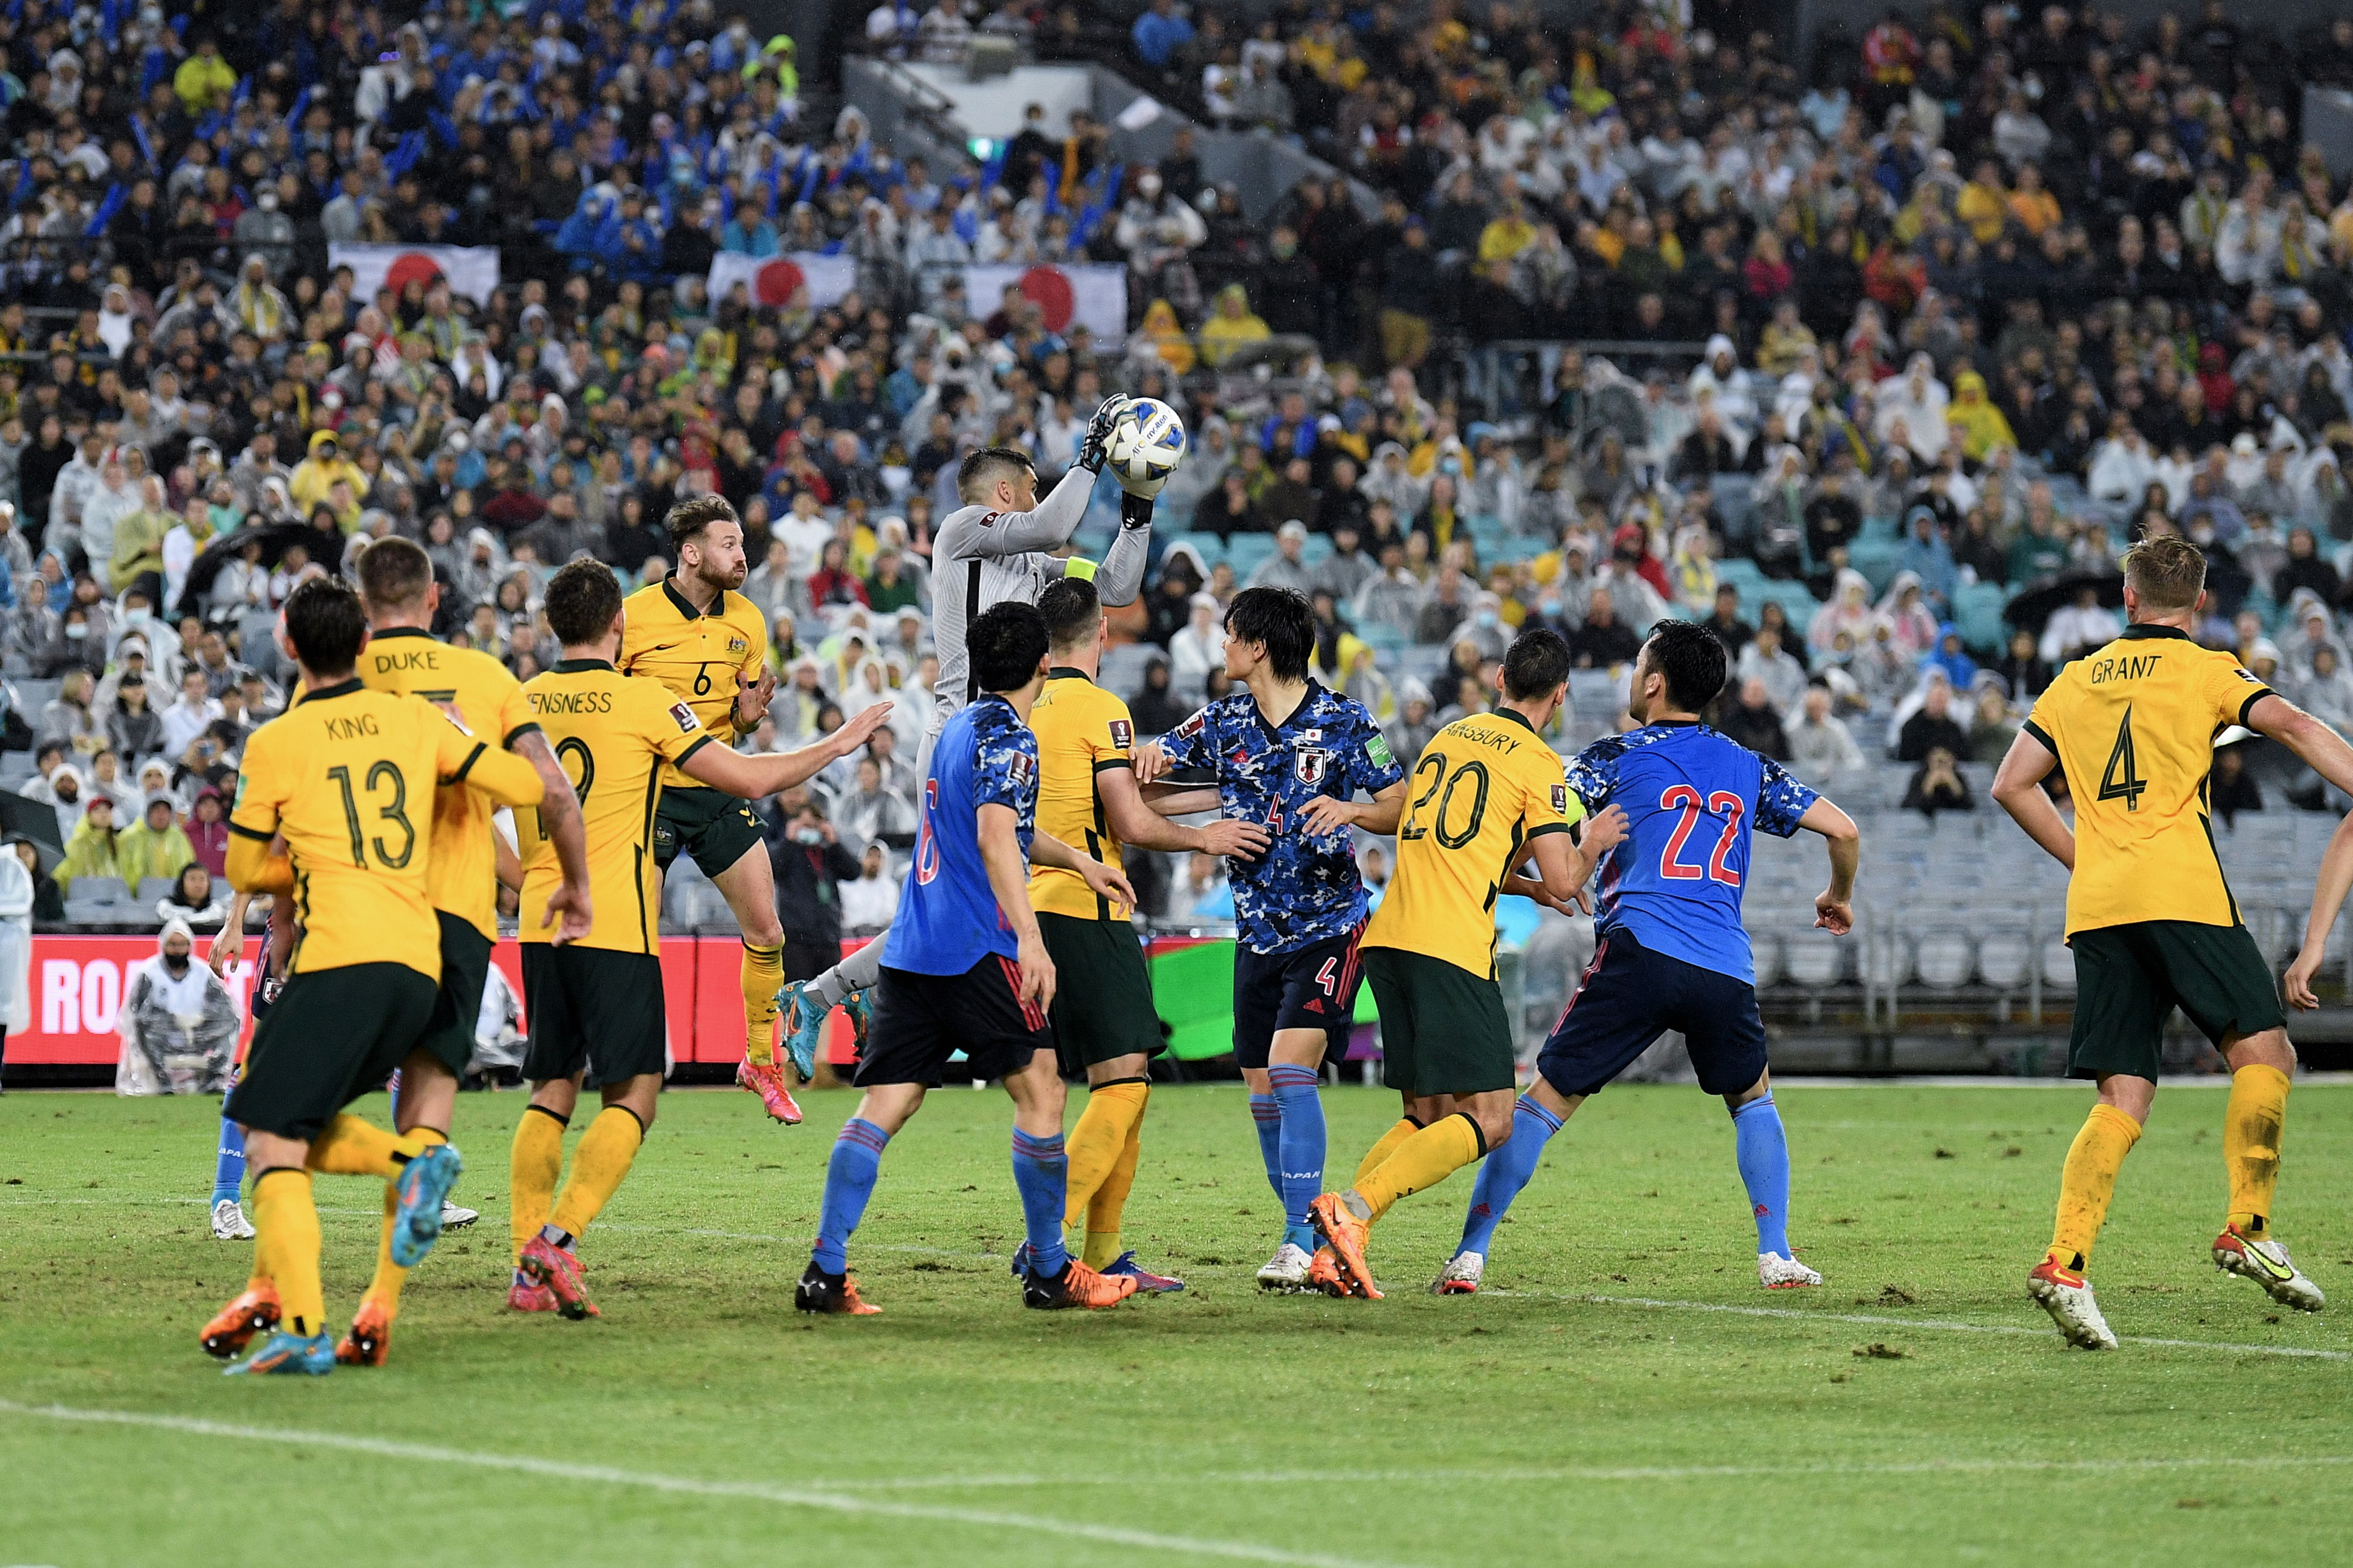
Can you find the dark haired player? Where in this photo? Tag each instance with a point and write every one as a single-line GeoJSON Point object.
{"type": "Point", "coordinates": [1672, 953]}
{"type": "Point", "coordinates": [996, 549]}
{"type": "Point", "coordinates": [346, 777]}
{"type": "Point", "coordinates": [696, 635]}
{"type": "Point", "coordinates": [1291, 756]}
{"type": "Point", "coordinates": [965, 968]}
{"type": "Point", "coordinates": [595, 1003]}
{"type": "Point", "coordinates": [1487, 797]}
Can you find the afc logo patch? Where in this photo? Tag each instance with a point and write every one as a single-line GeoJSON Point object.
{"type": "Point", "coordinates": [1123, 734]}
{"type": "Point", "coordinates": [1561, 799]}
{"type": "Point", "coordinates": [685, 717]}
{"type": "Point", "coordinates": [1309, 765]}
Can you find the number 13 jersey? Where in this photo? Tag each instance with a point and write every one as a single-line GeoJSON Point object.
{"type": "Point", "coordinates": [1692, 798]}
{"type": "Point", "coordinates": [2133, 726]}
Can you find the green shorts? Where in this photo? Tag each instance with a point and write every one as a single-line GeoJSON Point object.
{"type": "Point", "coordinates": [331, 1036]}
{"type": "Point", "coordinates": [1443, 1029]}
{"type": "Point", "coordinates": [1102, 993]}
{"type": "Point", "coordinates": [2129, 978]}
{"type": "Point", "coordinates": [457, 1006]}
{"type": "Point", "coordinates": [709, 825]}
{"type": "Point", "coordinates": [592, 1010]}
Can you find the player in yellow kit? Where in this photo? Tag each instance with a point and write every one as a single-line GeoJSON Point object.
{"type": "Point", "coordinates": [346, 777]}
{"type": "Point", "coordinates": [398, 590]}
{"type": "Point", "coordinates": [596, 1004]}
{"type": "Point", "coordinates": [693, 633]}
{"type": "Point", "coordinates": [2150, 919]}
{"type": "Point", "coordinates": [1489, 794]}
{"type": "Point", "coordinates": [1104, 1022]}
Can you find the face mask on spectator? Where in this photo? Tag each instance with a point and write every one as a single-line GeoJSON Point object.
{"type": "Point", "coordinates": [807, 836]}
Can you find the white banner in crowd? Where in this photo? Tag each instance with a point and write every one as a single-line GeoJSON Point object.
{"type": "Point", "coordinates": [771, 280]}
{"type": "Point", "coordinates": [1094, 295]}
{"type": "Point", "coordinates": [470, 270]}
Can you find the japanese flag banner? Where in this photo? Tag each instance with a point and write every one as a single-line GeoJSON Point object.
{"type": "Point", "coordinates": [470, 270]}
{"type": "Point", "coordinates": [771, 281]}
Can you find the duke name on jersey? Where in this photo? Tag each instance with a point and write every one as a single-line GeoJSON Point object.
{"type": "Point", "coordinates": [1692, 799]}
{"type": "Point", "coordinates": [947, 915]}
{"type": "Point", "coordinates": [1305, 888]}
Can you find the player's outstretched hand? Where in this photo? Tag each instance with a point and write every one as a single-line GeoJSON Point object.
{"type": "Point", "coordinates": [229, 946]}
{"type": "Point", "coordinates": [853, 734]}
{"type": "Point", "coordinates": [569, 911]}
{"type": "Point", "coordinates": [1242, 841]}
{"type": "Point", "coordinates": [1037, 970]}
{"type": "Point", "coordinates": [1108, 883]}
{"type": "Point", "coordinates": [1150, 763]}
{"type": "Point", "coordinates": [1094, 444]}
{"type": "Point", "coordinates": [760, 690]}
{"type": "Point", "coordinates": [1835, 916]}
{"type": "Point", "coordinates": [2299, 978]}
{"type": "Point", "coordinates": [1324, 815]}
{"type": "Point", "coordinates": [1606, 830]}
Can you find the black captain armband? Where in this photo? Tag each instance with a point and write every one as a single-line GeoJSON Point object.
{"type": "Point", "coordinates": [1135, 512]}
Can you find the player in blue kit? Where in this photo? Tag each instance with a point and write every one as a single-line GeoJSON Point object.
{"type": "Point", "coordinates": [965, 967]}
{"type": "Point", "coordinates": [1289, 756]}
{"type": "Point", "coordinates": [1671, 952]}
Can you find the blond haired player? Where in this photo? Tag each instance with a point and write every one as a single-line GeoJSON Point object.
{"type": "Point", "coordinates": [2150, 917]}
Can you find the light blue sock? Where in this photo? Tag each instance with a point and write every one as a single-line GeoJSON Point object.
{"type": "Point", "coordinates": [1504, 1172]}
{"type": "Point", "coordinates": [1301, 1154]}
{"type": "Point", "coordinates": [1764, 1153]}
{"type": "Point", "coordinates": [1042, 1174]}
{"type": "Point", "coordinates": [392, 1091]}
{"type": "Point", "coordinates": [1268, 1118]}
{"type": "Point", "coordinates": [229, 1164]}
{"type": "Point", "coordinates": [849, 1182]}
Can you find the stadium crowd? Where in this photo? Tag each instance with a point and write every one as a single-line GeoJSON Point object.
{"type": "Point", "coordinates": [1943, 318]}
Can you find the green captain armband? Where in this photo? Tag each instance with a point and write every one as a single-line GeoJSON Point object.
{"type": "Point", "coordinates": [1079, 569]}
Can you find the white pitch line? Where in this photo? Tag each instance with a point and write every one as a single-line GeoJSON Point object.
{"type": "Point", "coordinates": [601, 1474]}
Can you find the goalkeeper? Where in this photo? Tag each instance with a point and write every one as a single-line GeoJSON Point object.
{"type": "Point", "coordinates": [993, 548]}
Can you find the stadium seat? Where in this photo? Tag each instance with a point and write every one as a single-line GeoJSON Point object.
{"type": "Point", "coordinates": [99, 891]}
{"type": "Point", "coordinates": [2002, 957]}
{"type": "Point", "coordinates": [1814, 958]}
{"type": "Point", "coordinates": [1943, 960]}
{"type": "Point", "coordinates": [2059, 964]}
{"type": "Point", "coordinates": [153, 890]}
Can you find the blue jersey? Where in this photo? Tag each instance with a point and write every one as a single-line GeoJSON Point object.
{"type": "Point", "coordinates": [1305, 889]}
{"type": "Point", "coordinates": [948, 918]}
{"type": "Point", "coordinates": [1692, 798]}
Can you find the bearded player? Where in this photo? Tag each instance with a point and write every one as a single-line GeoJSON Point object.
{"type": "Point", "coordinates": [996, 549]}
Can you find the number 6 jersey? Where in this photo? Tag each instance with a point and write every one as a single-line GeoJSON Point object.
{"type": "Point", "coordinates": [347, 775]}
{"type": "Point", "coordinates": [1691, 798]}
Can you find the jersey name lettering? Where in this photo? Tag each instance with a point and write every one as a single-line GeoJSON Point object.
{"type": "Point", "coordinates": [2131, 666]}
{"type": "Point", "coordinates": [351, 729]}
{"type": "Point", "coordinates": [405, 659]}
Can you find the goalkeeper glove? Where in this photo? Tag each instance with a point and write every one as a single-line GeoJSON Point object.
{"type": "Point", "coordinates": [1135, 510]}
{"type": "Point", "coordinates": [1094, 448]}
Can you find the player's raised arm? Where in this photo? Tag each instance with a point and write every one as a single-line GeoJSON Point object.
{"type": "Point", "coordinates": [754, 777]}
{"type": "Point", "coordinates": [2018, 786]}
{"type": "Point", "coordinates": [1834, 908]}
{"type": "Point", "coordinates": [2316, 745]}
{"type": "Point", "coordinates": [1120, 576]}
{"type": "Point", "coordinates": [1016, 520]}
{"type": "Point", "coordinates": [1008, 879]}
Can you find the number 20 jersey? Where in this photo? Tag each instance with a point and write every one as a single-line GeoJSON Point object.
{"type": "Point", "coordinates": [1692, 799]}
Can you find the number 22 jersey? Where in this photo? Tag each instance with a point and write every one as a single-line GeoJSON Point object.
{"type": "Point", "coordinates": [1692, 798]}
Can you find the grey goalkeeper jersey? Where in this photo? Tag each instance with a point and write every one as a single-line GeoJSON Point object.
{"type": "Point", "coordinates": [982, 558]}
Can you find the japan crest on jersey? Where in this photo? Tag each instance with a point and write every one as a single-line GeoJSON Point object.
{"type": "Point", "coordinates": [1308, 764]}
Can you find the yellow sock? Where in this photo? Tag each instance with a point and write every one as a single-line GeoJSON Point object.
{"type": "Point", "coordinates": [763, 975]}
{"type": "Point", "coordinates": [286, 1226]}
{"type": "Point", "coordinates": [1406, 1127]}
{"type": "Point", "coordinates": [1096, 1142]}
{"type": "Point", "coordinates": [1109, 1202]}
{"type": "Point", "coordinates": [597, 1166]}
{"type": "Point", "coordinates": [2250, 1140]}
{"type": "Point", "coordinates": [2088, 1181]}
{"type": "Point", "coordinates": [385, 1288]}
{"type": "Point", "coordinates": [1424, 1160]}
{"type": "Point", "coordinates": [350, 1147]}
{"type": "Point", "coordinates": [533, 1165]}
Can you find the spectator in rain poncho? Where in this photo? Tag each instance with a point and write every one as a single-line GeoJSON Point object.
{"type": "Point", "coordinates": [1849, 611]}
{"type": "Point", "coordinates": [1917, 401]}
{"type": "Point", "coordinates": [1950, 657]}
{"type": "Point", "coordinates": [1719, 372]}
{"type": "Point", "coordinates": [179, 1022]}
{"type": "Point", "coordinates": [1911, 624]}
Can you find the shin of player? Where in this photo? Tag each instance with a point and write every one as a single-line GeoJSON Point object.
{"type": "Point", "coordinates": [1291, 756]}
{"type": "Point", "coordinates": [2151, 921]}
{"type": "Point", "coordinates": [1496, 801]}
{"type": "Point", "coordinates": [1670, 951]}
{"type": "Point", "coordinates": [965, 967]}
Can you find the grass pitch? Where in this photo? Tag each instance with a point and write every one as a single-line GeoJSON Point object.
{"type": "Point", "coordinates": [1622, 1393]}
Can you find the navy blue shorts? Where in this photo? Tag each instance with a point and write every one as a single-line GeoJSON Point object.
{"type": "Point", "coordinates": [1311, 987]}
{"type": "Point", "coordinates": [1630, 997]}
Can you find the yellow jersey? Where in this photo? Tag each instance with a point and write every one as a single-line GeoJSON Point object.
{"type": "Point", "coordinates": [2133, 726]}
{"type": "Point", "coordinates": [487, 700]}
{"type": "Point", "coordinates": [347, 775]}
{"type": "Point", "coordinates": [697, 654]}
{"type": "Point", "coordinates": [1081, 730]}
{"type": "Point", "coordinates": [1484, 787]}
{"type": "Point", "coordinates": [615, 736]}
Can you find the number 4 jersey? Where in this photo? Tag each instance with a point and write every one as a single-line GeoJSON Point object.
{"type": "Point", "coordinates": [347, 775]}
{"type": "Point", "coordinates": [2132, 727]}
{"type": "Point", "coordinates": [1691, 798]}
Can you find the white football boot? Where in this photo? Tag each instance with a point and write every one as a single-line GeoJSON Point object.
{"type": "Point", "coordinates": [1775, 1272]}
{"type": "Point", "coordinates": [1461, 1275]}
{"type": "Point", "coordinates": [229, 1223]}
{"type": "Point", "coordinates": [2266, 1263]}
{"type": "Point", "coordinates": [1286, 1270]}
{"type": "Point", "coordinates": [456, 1218]}
{"type": "Point", "coordinates": [2067, 1297]}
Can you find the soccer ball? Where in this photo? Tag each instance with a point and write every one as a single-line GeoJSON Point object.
{"type": "Point", "coordinates": [1145, 446]}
